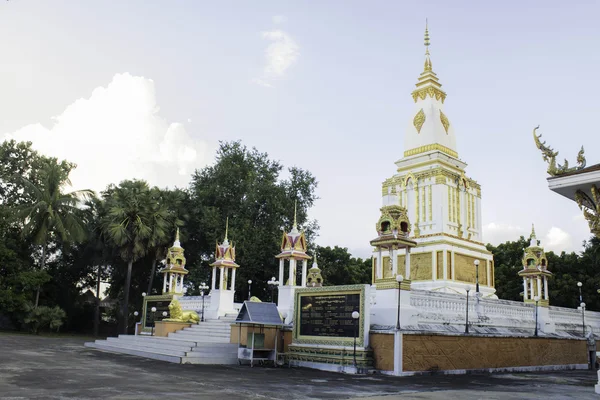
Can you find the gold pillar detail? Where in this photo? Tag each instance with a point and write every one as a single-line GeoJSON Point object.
{"type": "Point", "coordinates": [468, 196]}
{"type": "Point", "coordinates": [430, 203]}
{"type": "Point", "coordinates": [424, 203]}
{"type": "Point", "coordinates": [449, 204]}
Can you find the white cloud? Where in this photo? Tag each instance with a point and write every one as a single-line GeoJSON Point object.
{"type": "Point", "coordinates": [279, 19]}
{"type": "Point", "coordinates": [117, 134]}
{"type": "Point", "coordinates": [557, 240]}
{"type": "Point", "coordinates": [496, 233]}
{"type": "Point", "coordinates": [280, 55]}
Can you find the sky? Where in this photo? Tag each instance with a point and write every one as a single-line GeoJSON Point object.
{"type": "Point", "coordinates": [147, 89]}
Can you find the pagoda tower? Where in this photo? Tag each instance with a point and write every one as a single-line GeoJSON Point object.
{"type": "Point", "coordinates": [174, 270]}
{"type": "Point", "coordinates": [442, 202]}
{"type": "Point", "coordinates": [314, 279]}
{"type": "Point", "coordinates": [223, 290]}
{"type": "Point", "coordinates": [293, 249]}
{"type": "Point", "coordinates": [535, 273]}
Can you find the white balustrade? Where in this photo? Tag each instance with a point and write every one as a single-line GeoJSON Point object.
{"type": "Point", "coordinates": [194, 303]}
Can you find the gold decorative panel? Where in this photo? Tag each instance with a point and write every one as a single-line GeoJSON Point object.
{"type": "Point", "coordinates": [419, 120]}
{"type": "Point", "coordinates": [492, 273]}
{"type": "Point", "coordinates": [402, 265]}
{"type": "Point", "coordinates": [445, 353]}
{"type": "Point", "coordinates": [440, 265]}
{"type": "Point", "coordinates": [449, 264]}
{"type": "Point", "coordinates": [464, 269]}
{"type": "Point", "coordinates": [383, 351]}
{"type": "Point", "coordinates": [444, 121]}
{"type": "Point", "coordinates": [420, 267]}
{"type": "Point", "coordinates": [387, 267]}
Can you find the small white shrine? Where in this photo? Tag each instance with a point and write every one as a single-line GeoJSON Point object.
{"type": "Point", "coordinates": [223, 289]}
{"type": "Point", "coordinates": [293, 249]}
{"type": "Point", "coordinates": [174, 270]}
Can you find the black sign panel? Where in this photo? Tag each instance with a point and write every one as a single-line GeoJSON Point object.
{"type": "Point", "coordinates": [161, 306]}
{"type": "Point", "coordinates": [328, 314]}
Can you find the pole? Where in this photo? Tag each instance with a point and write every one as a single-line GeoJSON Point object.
{"type": "Point", "coordinates": [467, 318]}
{"type": "Point", "coordinates": [583, 320]}
{"type": "Point", "coordinates": [536, 319]}
{"type": "Point", "coordinates": [398, 319]}
{"type": "Point", "coordinates": [249, 290]}
{"type": "Point", "coordinates": [153, 322]}
{"type": "Point", "coordinates": [354, 354]}
{"type": "Point", "coordinates": [97, 311]}
{"type": "Point", "coordinates": [202, 305]}
{"type": "Point", "coordinates": [477, 278]}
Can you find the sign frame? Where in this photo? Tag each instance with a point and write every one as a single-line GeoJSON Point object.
{"type": "Point", "coordinates": [363, 330]}
{"type": "Point", "coordinates": [152, 298]}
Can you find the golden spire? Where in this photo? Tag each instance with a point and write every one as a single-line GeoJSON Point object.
{"type": "Point", "coordinates": [427, 42]}
{"type": "Point", "coordinates": [295, 224]}
{"type": "Point", "coordinates": [226, 228]}
{"type": "Point", "coordinates": [177, 235]}
{"type": "Point", "coordinates": [532, 232]}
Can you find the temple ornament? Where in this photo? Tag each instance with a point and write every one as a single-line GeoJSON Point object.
{"type": "Point", "coordinates": [590, 205]}
{"type": "Point", "coordinates": [419, 120]}
{"type": "Point", "coordinates": [549, 155]}
{"type": "Point", "coordinates": [393, 220]}
{"type": "Point", "coordinates": [444, 121]}
{"type": "Point", "coordinates": [178, 315]}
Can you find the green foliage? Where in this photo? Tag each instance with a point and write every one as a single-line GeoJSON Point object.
{"type": "Point", "coordinates": [246, 186]}
{"type": "Point", "coordinates": [567, 270]}
{"type": "Point", "coordinates": [41, 318]}
{"type": "Point", "coordinates": [338, 267]}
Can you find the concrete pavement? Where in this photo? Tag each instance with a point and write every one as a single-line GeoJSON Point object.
{"type": "Point", "coordinates": [61, 368]}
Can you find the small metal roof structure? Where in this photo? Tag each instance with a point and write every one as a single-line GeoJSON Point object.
{"type": "Point", "coordinates": [256, 313]}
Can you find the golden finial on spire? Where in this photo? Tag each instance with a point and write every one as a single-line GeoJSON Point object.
{"type": "Point", "coordinates": [532, 232]}
{"type": "Point", "coordinates": [427, 43]}
{"type": "Point", "coordinates": [295, 204]}
{"type": "Point", "coordinates": [177, 235]}
{"type": "Point", "coordinates": [226, 228]}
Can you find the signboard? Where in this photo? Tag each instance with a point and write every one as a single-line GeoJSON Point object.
{"type": "Point", "coordinates": [323, 315]}
{"type": "Point", "coordinates": [161, 303]}
{"type": "Point", "coordinates": [330, 315]}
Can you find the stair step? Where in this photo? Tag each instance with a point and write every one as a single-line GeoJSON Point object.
{"type": "Point", "coordinates": [210, 360]}
{"type": "Point", "coordinates": [167, 345]}
{"type": "Point", "coordinates": [126, 344]}
{"type": "Point", "coordinates": [134, 352]}
{"type": "Point", "coordinates": [200, 334]}
{"type": "Point", "coordinates": [158, 339]}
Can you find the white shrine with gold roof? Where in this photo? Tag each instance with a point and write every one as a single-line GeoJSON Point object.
{"type": "Point", "coordinates": [442, 202]}
{"type": "Point", "coordinates": [223, 288]}
{"type": "Point", "coordinates": [293, 250]}
{"type": "Point", "coordinates": [174, 270]}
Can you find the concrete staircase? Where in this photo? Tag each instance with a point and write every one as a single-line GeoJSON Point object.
{"type": "Point", "coordinates": [204, 343]}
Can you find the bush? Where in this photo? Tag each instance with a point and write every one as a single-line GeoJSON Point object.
{"type": "Point", "coordinates": [40, 318]}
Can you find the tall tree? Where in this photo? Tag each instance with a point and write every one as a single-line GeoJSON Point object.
{"type": "Point", "coordinates": [50, 212]}
{"type": "Point", "coordinates": [246, 186]}
{"type": "Point", "coordinates": [338, 267]}
{"type": "Point", "coordinates": [166, 215]}
{"type": "Point", "coordinates": [131, 223]}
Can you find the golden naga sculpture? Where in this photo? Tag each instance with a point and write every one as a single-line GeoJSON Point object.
{"type": "Point", "coordinates": [178, 315]}
{"type": "Point", "coordinates": [590, 205]}
{"type": "Point", "coordinates": [549, 155]}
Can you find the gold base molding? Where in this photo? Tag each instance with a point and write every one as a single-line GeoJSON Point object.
{"type": "Point", "coordinates": [431, 147]}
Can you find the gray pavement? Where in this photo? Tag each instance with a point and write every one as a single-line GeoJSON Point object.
{"type": "Point", "coordinates": [61, 368]}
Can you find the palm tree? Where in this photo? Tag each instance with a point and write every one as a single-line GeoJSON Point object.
{"type": "Point", "coordinates": [52, 213]}
{"type": "Point", "coordinates": [129, 225]}
{"type": "Point", "coordinates": [165, 219]}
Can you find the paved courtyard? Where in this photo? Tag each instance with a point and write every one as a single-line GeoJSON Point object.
{"type": "Point", "coordinates": [61, 368]}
